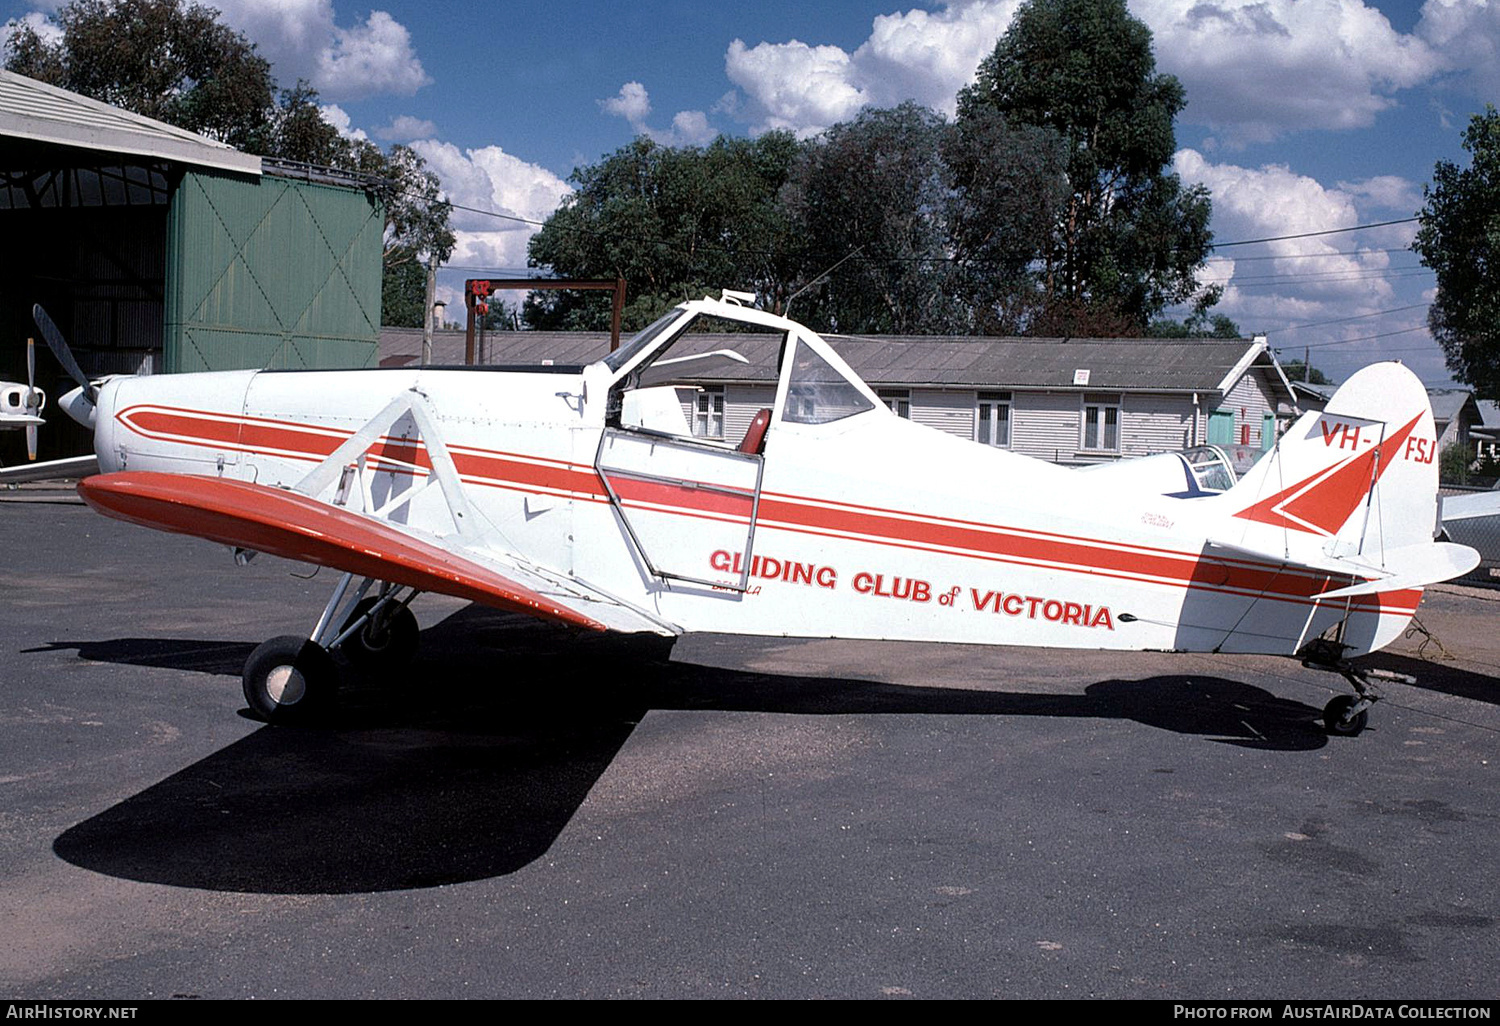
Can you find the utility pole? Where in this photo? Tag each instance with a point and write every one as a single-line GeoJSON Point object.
{"type": "Point", "coordinates": [428, 315]}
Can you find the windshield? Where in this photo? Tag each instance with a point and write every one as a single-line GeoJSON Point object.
{"type": "Point", "coordinates": [622, 356]}
{"type": "Point", "coordinates": [819, 393]}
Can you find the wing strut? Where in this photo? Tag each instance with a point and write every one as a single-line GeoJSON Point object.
{"type": "Point", "coordinates": [348, 465]}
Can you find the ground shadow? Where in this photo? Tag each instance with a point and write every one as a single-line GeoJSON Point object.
{"type": "Point", "coordinates": [1437, 676]}
{"type": "Point", "coordinates": [471, 762]}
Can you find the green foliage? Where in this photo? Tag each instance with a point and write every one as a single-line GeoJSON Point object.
{"type": "Point", "coordinates": [927, 227]}
{"type": "Point", "coordinates": [1453, 465]}
{"type": "Point", "coordinates": [1459, 239]}
{"type": "Point", "coordinates": [877, 185]}
{"type": "Point", "coordinates": [1047, 208]}
{"type": "Point", "coordinates": [296, 131]}
{"type": "Point", "coordinates": [1129, 239]}
{"type": "Point", "coordinates": [675, 223]}
{"type": "Point", "coordinates": [403, 293]}
{"type": "Point", "coordinates": [1199, 324]}
{"type": "Point", "coordinates": [1007, 184]}
{"type": "Point", "coordinates": [418, 220]}
{"type": "Point", "coordinates": [165, 59]}
{"type": "Point", "coordinates": [1296, 370]}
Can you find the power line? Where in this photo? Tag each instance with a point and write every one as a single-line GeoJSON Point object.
{"type": "Point", "coordinates": [1320, 256]}
{"type": "Point", "coordinates": [506, 217]}
{"type": "Point", "coordinates": [1343, 320]}
{"type": "Point", "coordinates": [1309, 235]}
{"type": "Point", "coordinates": [1345, 274]}
{"type": "Point", "coordinates": [1283, 283]}
{"type": "Point", "coordinates": [1362, 338]}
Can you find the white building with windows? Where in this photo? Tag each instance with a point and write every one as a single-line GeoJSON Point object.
{"type": "Point", "coordinates": [1072, 401]}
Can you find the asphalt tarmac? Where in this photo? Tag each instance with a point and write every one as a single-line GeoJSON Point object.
{"type": "Point", "coordinates": [526, 812]}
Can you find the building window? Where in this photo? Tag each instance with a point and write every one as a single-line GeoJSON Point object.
{"type": "Point", "coordinates": [1101, 422]}
{"type": "Point", "coordinates": [992, 418]}
{"type": "Point", "coordinates": [898, 399]}
{"type": "Point", "coordinates": [708, 415]}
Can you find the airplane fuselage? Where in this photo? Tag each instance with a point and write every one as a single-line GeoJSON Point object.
{"type": "Point", "coordinates": [866, 527]}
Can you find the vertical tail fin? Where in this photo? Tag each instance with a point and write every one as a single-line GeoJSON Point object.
{"type": "Point", "coordinates": [1358, 479]}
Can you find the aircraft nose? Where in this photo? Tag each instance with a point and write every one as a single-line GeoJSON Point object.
{"type": "Point", "coordinates": [76, 404]}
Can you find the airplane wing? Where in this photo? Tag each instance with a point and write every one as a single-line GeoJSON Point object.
{"type": "Point", "coordinates": [296, 526]}
{"type": "Point", "coordinates": [52, 470]}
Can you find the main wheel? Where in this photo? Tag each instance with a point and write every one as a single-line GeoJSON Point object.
{"type": "Point", "coordinates": [387, 640]}
{"type": "Point", "coordinates": [290, 680]}
{"type": "Point", "coordinates": [1337, 719]}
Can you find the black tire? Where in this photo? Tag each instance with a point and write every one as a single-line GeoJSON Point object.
{"type": "Point", "coordinates": [1336, 717]}
{"type": "Point", "coordinates": [391, 646]}
{"type": "Point", "coordinates": [290, 680]}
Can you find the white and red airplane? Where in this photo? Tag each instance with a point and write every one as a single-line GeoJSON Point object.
{"type": "Point", "coordinates": [580, 495]}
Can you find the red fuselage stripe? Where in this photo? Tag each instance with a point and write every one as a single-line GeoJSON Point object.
{"type": "Point", "coordinates": [825, 518]}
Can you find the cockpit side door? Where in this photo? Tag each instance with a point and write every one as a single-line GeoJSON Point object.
{"type": "Point", "coordinates": [683, 498]}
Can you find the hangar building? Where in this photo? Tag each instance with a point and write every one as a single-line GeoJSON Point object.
{"type": "Point", "coordinates": [156, 249]}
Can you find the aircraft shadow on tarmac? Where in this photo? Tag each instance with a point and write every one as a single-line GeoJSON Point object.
{"type": "Point", "coordinates": [1442, 677]}
{"type": "Point", "coordinates": [472, 762]}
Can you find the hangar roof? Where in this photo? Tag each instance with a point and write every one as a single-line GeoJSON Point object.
{"type": "Point", "coordinates": [42, 113]}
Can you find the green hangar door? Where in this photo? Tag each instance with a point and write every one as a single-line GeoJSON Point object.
{"type": "Point", "coordinates": [277, 272]}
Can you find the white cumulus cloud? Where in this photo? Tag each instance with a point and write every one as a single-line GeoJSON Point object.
{"type": "Point", "coordinates": [303, 40]}
{"type": "Point", "coordinates": [1303, 274]}
{"type": "Point", "coordinates": [1467, 34]}
{"type": "Point", "coordinates": [1386, 193]}
{"type": "Point", "coordinates": [338, 117]}
{"type": "Point", "coordinates": [922, 55]}
{"type": "Point", "coordinates": [633, 103]}
{"type": "Point", "coordinates": [370, 58]}
{"type": "Point", "coordinates": [405, 128]}
{"type": "Point", "coordinates": [491, 179]}
{"type": "Point", "coordinates": [1256, 69]}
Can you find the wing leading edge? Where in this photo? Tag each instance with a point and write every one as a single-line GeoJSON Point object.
{"type": "Point", "coordinates": [292, 525]}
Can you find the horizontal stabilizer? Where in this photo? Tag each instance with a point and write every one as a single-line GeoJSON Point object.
{"type": "Point", "coordinates": [1412, 566]}
{"type": "Point", "coordinates": [1470, 506]}
{"type": "Point", "coordinates": [294, 526]}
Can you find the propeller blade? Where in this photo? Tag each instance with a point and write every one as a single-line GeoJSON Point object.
{"type": "Point", "coordinates": [31, 364]}
{"type": "Point", "coordinates": [60, 350]}
{"type": "Point", "coordinates": [31, 441]}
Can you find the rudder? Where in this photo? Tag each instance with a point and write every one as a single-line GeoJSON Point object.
{"type": "Point", "coordinates": [1356, 479]}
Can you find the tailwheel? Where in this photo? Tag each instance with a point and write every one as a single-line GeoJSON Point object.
{"type": "Point", "coordinates": [290, 680]}
{"type": "Point", "coordinates": [387, 638]}
{"type": "Point", "coordinates": [1346, 715]}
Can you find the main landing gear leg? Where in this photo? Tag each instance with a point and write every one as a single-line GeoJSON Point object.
{"type": "Point", "coordinates": [291, 679]}
{"type": "Point", "coordinates": [1348, 715]}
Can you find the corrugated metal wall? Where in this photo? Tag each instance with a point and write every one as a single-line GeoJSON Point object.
{"type": "Point", "coordinates": [951, 412]}
{"type": "Point", "coordinates": [271, 273]}
{"type": "Point", "coordinates": [1155, 423]}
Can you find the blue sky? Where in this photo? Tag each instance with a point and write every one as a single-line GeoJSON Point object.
{"type": "Point", "coordinates": [1303, 115]}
